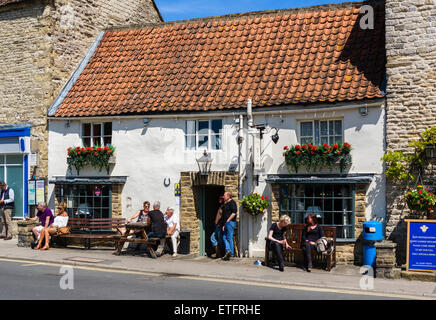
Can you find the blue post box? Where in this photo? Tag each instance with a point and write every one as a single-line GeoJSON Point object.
{"type": "Point", "coordinates": [372, 232]}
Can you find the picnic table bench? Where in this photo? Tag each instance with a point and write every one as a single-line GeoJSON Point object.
{"type": "Point", "coordinates": [141, 229]}
{"type": "Point", "coordinates": [293, 235]}
{"type": "Point", "coordinates": [93, 228]}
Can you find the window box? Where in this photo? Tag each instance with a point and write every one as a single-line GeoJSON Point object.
{"type": "Point", "coordinates": [97, 157]}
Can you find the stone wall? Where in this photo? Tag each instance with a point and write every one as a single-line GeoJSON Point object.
{"type": "Point", "coordinates": [411, 95]}
{"type": "Point", "coordinates": [42, 43]}
{"type": "Point", "coordinates": [190, 202]}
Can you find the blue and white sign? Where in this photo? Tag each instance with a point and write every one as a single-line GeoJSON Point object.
{"type": "Point", "coordinates": [421, 245]}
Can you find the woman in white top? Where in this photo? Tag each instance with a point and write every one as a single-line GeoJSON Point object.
{"type": "Point", "coordinates": [60, 221]}
{"type": "Point", "coordinates": [173, 228]}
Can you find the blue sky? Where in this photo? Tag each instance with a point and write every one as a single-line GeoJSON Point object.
{"type": "Point", "coordinates": [187, 9]}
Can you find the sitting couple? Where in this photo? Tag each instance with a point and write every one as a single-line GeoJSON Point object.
{"type": "Point", "coordinates": [161, 225]}
{"type": "Point", "coordinates": [49, 225]}
{"type": "Point", "coordinates": [276, 240]}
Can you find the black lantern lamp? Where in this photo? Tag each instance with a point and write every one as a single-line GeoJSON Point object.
{"type": "Point", "coordinates": [275, 136]}
{"type": "Point", "coordinates": [204, 163]}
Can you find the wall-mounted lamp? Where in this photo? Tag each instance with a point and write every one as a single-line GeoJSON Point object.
{"type": "Point", "coordinates": [204, 163]}
{"type": "Point", "coordinates": [146, 122]}
{"type": "Point", "coordinates": [67, 123]}
{"type": "Point", "coordinates": [363, 111]}
{"type": "Point", "coordinates": [275, 136]}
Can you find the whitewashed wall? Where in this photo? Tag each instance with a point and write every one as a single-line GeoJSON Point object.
{"type": "Point", "coordinates": [148, 155]}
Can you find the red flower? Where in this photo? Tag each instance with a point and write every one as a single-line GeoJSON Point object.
{"type": "Point", "coordinates": [304, 146]}
{"type": "Point", "coordinates": [262, 197]}
{"type": "Point", "coordinates": [286, 148]}
{"type": "Point", "coordinates": [325, 145]}
{"type": "Point", "coordinates": [95, 154]}
{"type": "Point", "coordinates": [346, 145]}
{"type": "Point", "coordinates": [298, 152]}
{"type": "Point", "coordinates": [77, 148]}
{"type": "Point", "coordinates": [339, 152]}
{"type": "Point", "coordinates": [106, 148]}
{"type": "Point", "coordinates": [419, 191]}
{"type": "Point", "coordinates": [266, 197]}
{"type": "Point", "coordinates": [297, 146]}
{"type": "Point", "coordinates": [110, 151]}
{"type": "Point", "coordinates": [78, 152]}
{"type": "Point", "coordinates": [335, 146]}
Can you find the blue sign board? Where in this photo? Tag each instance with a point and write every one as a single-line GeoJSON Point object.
{"type": "Point", "coordinates": [421, 245]}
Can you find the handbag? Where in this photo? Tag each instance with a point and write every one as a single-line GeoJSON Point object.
{"type": "Point", "coordinates": [321, 245]}
{"type": "Point", "coordinates": [64, 230]}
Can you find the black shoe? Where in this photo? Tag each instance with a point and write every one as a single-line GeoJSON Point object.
{"type": "Point", "coordinates": [281, 269]}
{"type": "Point", "coordinates": [33, 245]}
{"type": "Point", "coordinates": [227, 256]}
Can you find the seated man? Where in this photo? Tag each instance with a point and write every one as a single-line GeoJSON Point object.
{"type": "Point", "coordinates": [158, 226]}
{"type": "Point", "coordinates": [173, 228]}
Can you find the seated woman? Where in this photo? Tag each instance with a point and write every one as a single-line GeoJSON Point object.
{"type": "Point", "coordinates": [276, 239]}
{"type": "Point", "coordinates": [311, 233]}
{"type": "Point", "coordinates": [60, 221]}
{"type": "Point", "coordinates": [141, 214]}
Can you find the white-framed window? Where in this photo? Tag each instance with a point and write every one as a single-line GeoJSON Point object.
{"type": "Point", "coordinates": [321, 132]}
{"type": "Point", "coordinates": [203, 134]}
{"type": "Point", "coordinates": [96, 134]}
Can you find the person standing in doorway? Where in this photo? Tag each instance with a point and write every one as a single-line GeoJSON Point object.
{"type": "Point", "coordinates": [217, 235]}
{"type": "Point", "coordinates": [6, 205]}
{"type": "Point", "coordinates": [229, 224]}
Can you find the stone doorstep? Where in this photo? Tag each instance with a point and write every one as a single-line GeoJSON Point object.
{"type": "Point", "coordinates": [418, 276]}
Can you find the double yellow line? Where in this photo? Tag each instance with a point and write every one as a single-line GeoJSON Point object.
{"type": "Point", "coordinates": [240, 282]}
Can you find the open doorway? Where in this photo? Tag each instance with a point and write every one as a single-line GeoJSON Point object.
{"type": "Point", "coordinates": [209, 196]}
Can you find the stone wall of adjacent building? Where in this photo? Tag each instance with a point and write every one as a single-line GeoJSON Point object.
{"type": "Point", "coordinates": [190, 199]}
{"type": "Point", "coordinates": [411, 96]}
{"type": "Point", "coordinates": [42, 43]}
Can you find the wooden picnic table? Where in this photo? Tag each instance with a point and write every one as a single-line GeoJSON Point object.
{"type": "Point", "coordinates": [141, 228]}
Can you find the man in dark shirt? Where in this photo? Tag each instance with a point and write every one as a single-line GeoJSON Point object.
{"type": "Point", "coordinates": [228, 221]}
{"type": "Point", "coordinates": [158, 226]}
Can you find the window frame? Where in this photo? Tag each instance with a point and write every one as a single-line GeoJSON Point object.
{"type": "Point", "coordinates": [317, 134]}
{"type": "Point", "coordinates": [210, 134]}
{"type": "Point", "coordinates": [293, 212]}
{"type": "Point", "coordinates": [65, 197]}
{"type": "Point", "coordinates": [101, 136]}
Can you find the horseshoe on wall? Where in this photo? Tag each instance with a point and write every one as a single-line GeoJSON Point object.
{"type": "Point", "coordinates": [165, 182]}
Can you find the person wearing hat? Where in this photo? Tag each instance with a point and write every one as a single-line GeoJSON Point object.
{"type": "Point", "coordinates": [6, 205]}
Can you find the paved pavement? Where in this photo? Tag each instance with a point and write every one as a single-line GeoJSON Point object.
{"type": "Point", "coordinates": [342, 279]}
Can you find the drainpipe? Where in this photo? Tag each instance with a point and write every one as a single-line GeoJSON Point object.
{"type": "Point", "coordinates": [250, 141]}
{"type": "Point", "coordinates": [240, 135]}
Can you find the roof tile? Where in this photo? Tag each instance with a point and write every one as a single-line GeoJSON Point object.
{"type": "Point", "coordinates": [286, 57]}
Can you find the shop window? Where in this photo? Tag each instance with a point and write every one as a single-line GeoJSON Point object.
{"type": "Point", "coordinates": [332, 203]}
{"type": "Point", "coordinates": [96, 134]}
{"type": "Point", "coordinates": [11, 171]}
{"type": "Point", "coordinates": [87, 201]}
{"type": "Point", "coordinates": [203, 134]}
{"type": "Point", "coordinates": [321, 132]}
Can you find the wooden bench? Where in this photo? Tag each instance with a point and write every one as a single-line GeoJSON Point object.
{"type": "Point", "coordinates": [93, 228]}
{"type": "Point", "coordinates": [293, 235]}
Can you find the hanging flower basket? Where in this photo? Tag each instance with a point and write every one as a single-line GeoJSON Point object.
{"type": "Point", "coordinates": [97, 157]}
{"type": "Point", "coordinates": [316, 157]}
{"type": "Point", "coordinates": [421, 200]}
{"type": "Point", "coordinates": [255, 204]}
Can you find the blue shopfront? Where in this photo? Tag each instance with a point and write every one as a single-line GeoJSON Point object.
{"type": "Point", "coordinates": [14, 163]}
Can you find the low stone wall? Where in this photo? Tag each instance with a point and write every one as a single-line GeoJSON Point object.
{"type": "Point", "coordinates": [25, 234]}
{"type": "Point", "coordinates": [385, 261]}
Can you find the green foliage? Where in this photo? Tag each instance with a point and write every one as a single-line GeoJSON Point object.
{"type": "Point", "coordinates": [255, 204]}
{"type": "Point", "coordinates": [402, 167]}
{"type": "Point", "coordinates": [97, 157]}
{"type": "Point", "coordinates": [421, 200]}
{"type": "Point", "coordinates": [314, 157]}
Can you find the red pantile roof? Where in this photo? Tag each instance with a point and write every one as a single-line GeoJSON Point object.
{"type": "Point", "coordinates": [297, 56]}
